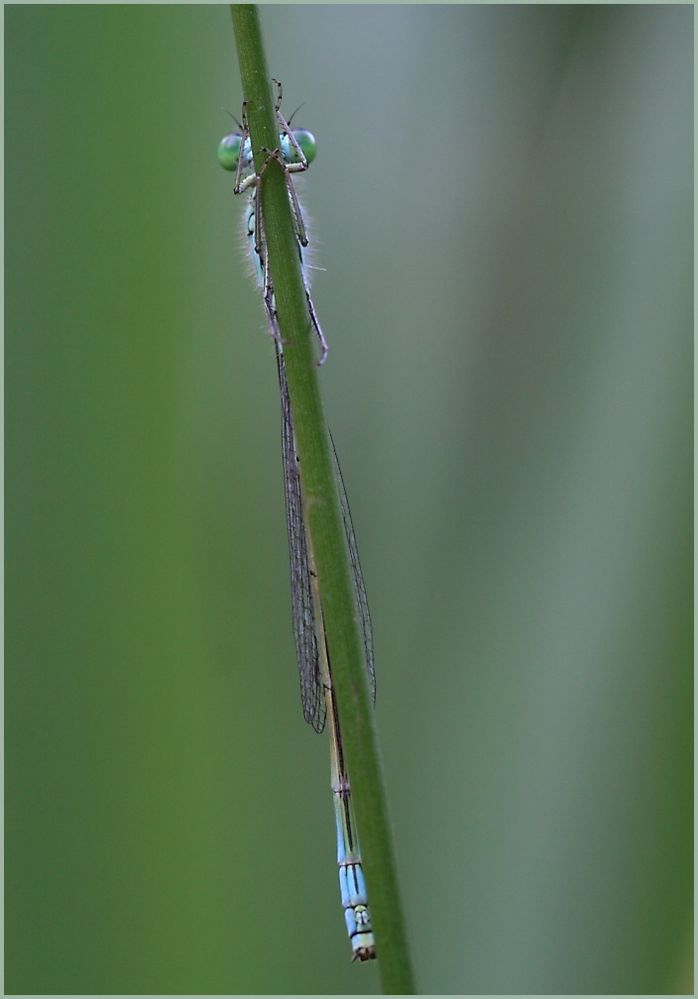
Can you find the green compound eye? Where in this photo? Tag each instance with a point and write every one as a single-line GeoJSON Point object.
{"type": "Point", "coordinates": [306, 140]}
{"type": "Point", "coordinates": [229, 150]}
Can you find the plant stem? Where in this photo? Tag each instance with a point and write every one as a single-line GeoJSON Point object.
{"type": "Point", "coordinates": [324, 522]}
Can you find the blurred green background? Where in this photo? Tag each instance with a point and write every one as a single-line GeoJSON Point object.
{"type": "Point", "coordinates": [503, 202]}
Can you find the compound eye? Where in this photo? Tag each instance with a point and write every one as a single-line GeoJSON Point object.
{"type": "Point", "coordinates": [306, 140]}
{"type": "Point", "coordinates": [229, 150]}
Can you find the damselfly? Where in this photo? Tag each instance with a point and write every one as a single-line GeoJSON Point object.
{"type": "Point", "coordinates": [295, 152]}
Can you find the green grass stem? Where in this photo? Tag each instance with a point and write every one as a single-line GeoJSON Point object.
{"type": "Point", "coordinates": [324, 521]}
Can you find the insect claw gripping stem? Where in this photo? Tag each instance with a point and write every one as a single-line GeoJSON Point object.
{"type": "Point", "coordinates": [276, 154]}
{"type": "Point", "coordinates": [245, 129]}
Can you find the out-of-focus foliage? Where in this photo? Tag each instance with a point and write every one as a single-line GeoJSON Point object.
{"type": "Point", "coordinates": [502, 199]}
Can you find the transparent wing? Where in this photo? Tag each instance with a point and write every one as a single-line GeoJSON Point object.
{"type": "Point", "coordinates": [304, 630]}
{"type": "Point", "coordinates": [359, 585]}
{"type": "Point", "coordinates": [304, 625]}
